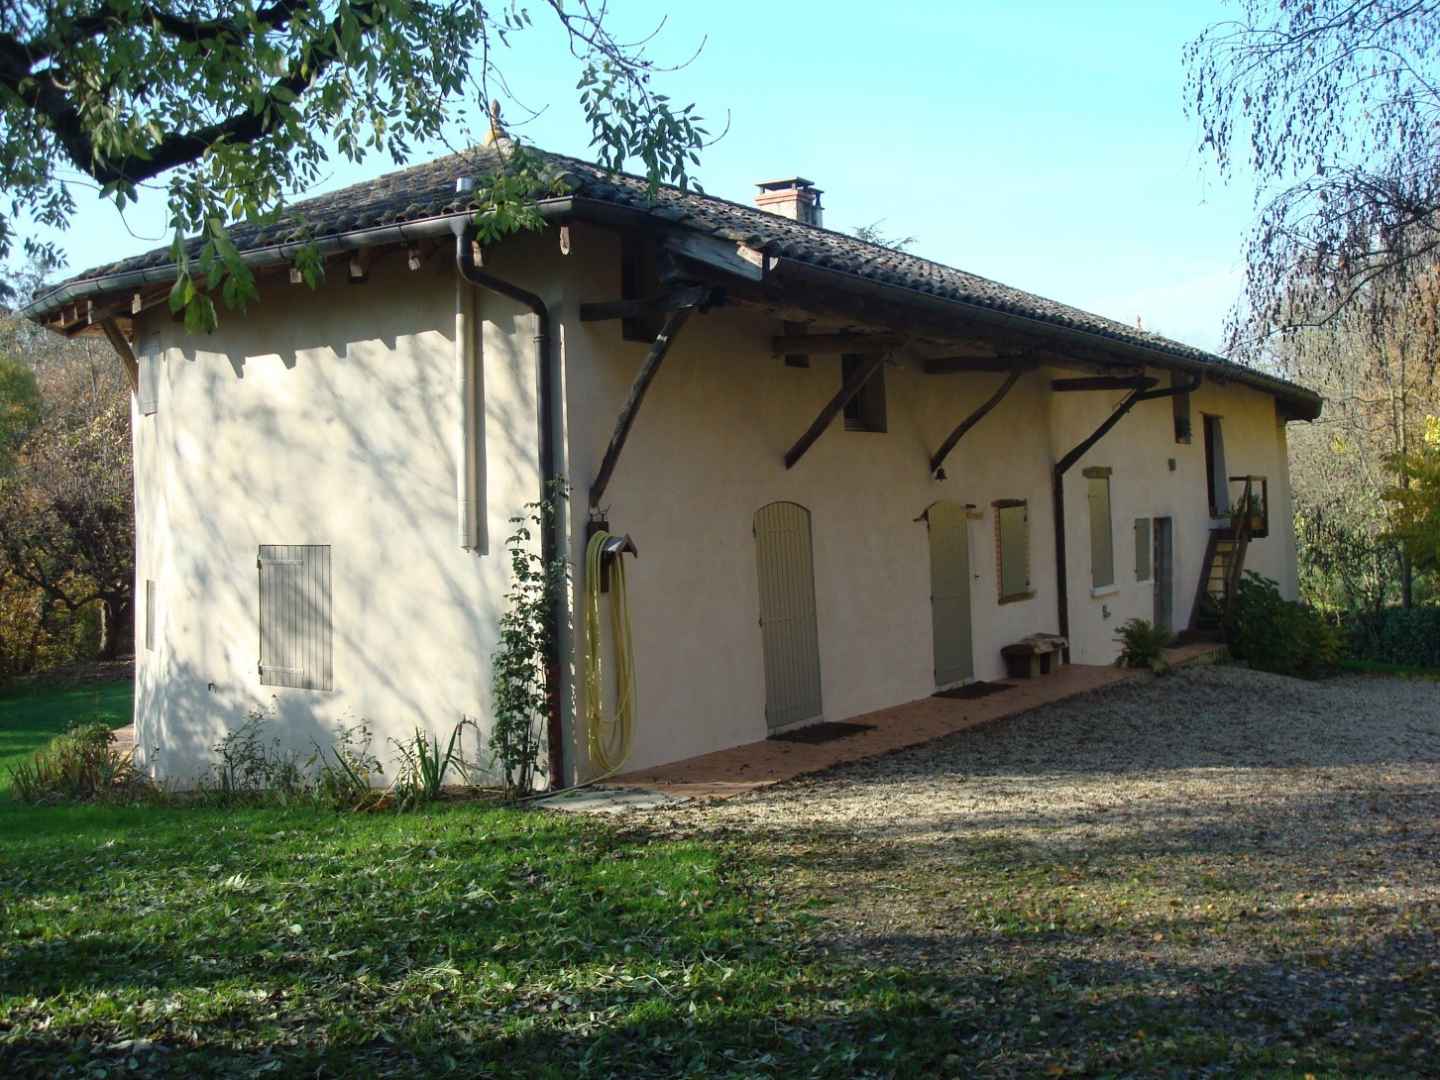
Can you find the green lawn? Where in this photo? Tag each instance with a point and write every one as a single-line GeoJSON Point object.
{"type": "Point", "coordinates": [31, 717]}
{"type": "Point", "coordinates": [459, 941]}
{"type": "Point", "coordinates": [474, 941]}
{"type": "Point", "coordinates": [465, 940]}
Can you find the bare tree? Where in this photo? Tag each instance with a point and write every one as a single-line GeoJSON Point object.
{"type": "Point", "coordinates": [1376, 367]}
{"type": "Point", "coordinates": [1333, 105]}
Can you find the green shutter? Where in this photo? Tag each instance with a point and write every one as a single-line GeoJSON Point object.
{"type": "Point", "coordinates": [1102, 547]}
{"type": "Point", "coordinates": [1014, 525]}
{"type": "Point", "coordinates": [1142, 549]}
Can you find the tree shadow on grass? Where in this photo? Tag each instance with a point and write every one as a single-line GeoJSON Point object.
{"type": "Point", "coordinates": [838, 1021]}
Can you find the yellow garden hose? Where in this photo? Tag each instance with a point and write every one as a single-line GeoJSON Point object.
{"type": "Point", "coordinates": [608, 740]}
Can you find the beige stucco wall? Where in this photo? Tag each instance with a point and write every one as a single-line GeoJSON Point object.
{"type": "Point", "coordinates": [327, 417]}
{"type": "Point", "coordinates": [1139, 451]}
{"type": "Point", "coordinates": [707, 452]}
{"type": "Point", "coordinates": [333, 417]}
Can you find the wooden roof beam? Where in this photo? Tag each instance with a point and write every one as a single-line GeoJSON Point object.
{"type": "Point", "coordinates": [822, 344]}
{"type": "Point", "coordinates": [1103, 382]}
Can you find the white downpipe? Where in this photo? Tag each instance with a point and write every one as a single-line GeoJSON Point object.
{"type": "Point", "coordinates": [470, 390]}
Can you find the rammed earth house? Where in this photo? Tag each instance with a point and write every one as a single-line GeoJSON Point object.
{"type": "Point", "coordinates": [853, 476]}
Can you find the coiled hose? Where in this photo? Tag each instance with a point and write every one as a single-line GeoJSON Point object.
{"type": "Point", "coordinates": [608, 740]}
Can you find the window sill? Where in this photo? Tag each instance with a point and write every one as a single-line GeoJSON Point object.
{"type": "Point", "coordinates": [1105, 590]}
{"type": "Point", "coordinates": [1016, 598]}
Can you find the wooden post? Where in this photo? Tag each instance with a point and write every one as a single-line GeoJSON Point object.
{"type": "Point", "coordinates": [831, 410]}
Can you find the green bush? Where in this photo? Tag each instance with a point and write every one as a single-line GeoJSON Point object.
{"type": "Point", "coordinates": [1142, 645]}
{"type": "Point", "coordinates": [82, 765]}
{"type": "Point", "coordinates": [1405, 637]}
{"type": "Point", "coordinates": [1273, 634]}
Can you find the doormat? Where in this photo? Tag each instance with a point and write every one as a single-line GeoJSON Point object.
{"type": "Point", "coordinates": [825, 732]}
{"type": "Point", "coordinates": [973, 690]}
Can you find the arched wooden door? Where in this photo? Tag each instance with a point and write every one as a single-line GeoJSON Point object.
{"type": "Point", "coordinates": [791, 642]}
{"type": "Point", "coordinates": [950, 593]}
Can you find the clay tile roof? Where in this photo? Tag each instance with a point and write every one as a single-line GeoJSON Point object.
{"type": "Point", "coordinates": [428, 190]}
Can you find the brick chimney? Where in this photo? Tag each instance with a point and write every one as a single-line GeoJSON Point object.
{"type": "Point", "coordinates": [795, 198]}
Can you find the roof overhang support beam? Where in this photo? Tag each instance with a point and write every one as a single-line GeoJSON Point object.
{"type": "Point", "coordinates": [938, 458]}
{"type": "Point", "coordinates": [1103, 382]}
{"type": "Point", "coordinates": [674, 322]}
{"type": "Point", "coordinates": [832, 408]}
{"type": "Point", "coordinates": [829, 344]}
{"type": "Point", "coordinates": [661, 303]}
{"type": "Point", "coordinates": [1001, 362]}
{"type": "Point", "coordinates": [123, 350]}
{"type": "Point", "coordinates": [1062, 592]}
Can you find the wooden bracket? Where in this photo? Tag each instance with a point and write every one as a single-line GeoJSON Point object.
{"type": "Point", "coordinates": [938, 458]}
{"type": "Point", "coordinates": [821, 344]}
{"type": "Point", "coordinates": [703, 297]}
{"type": "Point", "coordinates": [1103, 382]}
{"type": "Point", "coordinates": [970, 365]}
{"type": "Point", "coordinates": [123, 350]}
{"type": "Point", "coordinates": [832, 409]}
{"type": "Point", "coordinates": [700, 300]}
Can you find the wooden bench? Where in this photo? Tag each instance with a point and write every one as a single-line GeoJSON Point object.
{"type": "Point", "coordinates": [1038, 654]}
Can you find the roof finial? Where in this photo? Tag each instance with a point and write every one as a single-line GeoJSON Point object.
{"type": "Point", "coordinates": [497, 129]}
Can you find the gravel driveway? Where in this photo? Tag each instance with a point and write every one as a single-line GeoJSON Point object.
{"type": "Point", "coordinates": [1249, 858]}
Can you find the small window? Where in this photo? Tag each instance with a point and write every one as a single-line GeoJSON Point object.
{"type": "Point", "coordinates": [1012, 549]}
{"type": "Point", "coordinates": [1102, 545]}
{"type": "Point", "coordinates": [866, 410]}
{"type": "Point", "coordinates": [149, 615]}
{"type": "Point", "coordinates": [295, 637]}
{"type": "Point", "coordinates": [1181, 406]}
{"type": "Point", "coordinates": [1143, 549]}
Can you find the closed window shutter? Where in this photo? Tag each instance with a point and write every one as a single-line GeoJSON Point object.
{"type": "Point", "coordinates": [147, 393]}
{"type": "Point", "coordinates": [1142, 549]}
{"type": "Point", "coordinates": [1014, 524]}
{"type": "Point", "coordinates": [295, 623]}
{"type": "Point", "coordinates": [1102, 546]}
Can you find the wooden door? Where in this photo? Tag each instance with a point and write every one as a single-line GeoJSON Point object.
{"type": "Point", "coordinates": [785, 561]}
{"type": "Point", "coordinates": [950, 593]}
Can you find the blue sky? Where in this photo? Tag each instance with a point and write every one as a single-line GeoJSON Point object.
{"type": "Point", "coordinates": [1043, 145]}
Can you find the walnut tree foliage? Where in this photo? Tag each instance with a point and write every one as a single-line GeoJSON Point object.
{"type": "Point", "coordinates": [231, 104]}
{"type": "Point", "coordinates": [1333, 105]}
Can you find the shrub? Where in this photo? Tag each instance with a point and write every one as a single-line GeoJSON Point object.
{"type": "Point", "coordinates": [423, 768]}
{"type": "Point", "coordinates": [519, 689]}
{"type": "Point", "coordinates": [1142, 644]}
{"type": "Point", "coordinates": [82, 765]}
{"type": "Point", "coordinates": [345, 774]}
{"type": "Point", "coordinates": [252, 770]}
{"type": "Point", "coordinates": [1277, 635]}
{"type": "Point", "coordinates": [1406, 637]}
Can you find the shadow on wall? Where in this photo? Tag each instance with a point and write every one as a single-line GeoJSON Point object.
{"type": "Point", "coordinates": [359, 455]}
